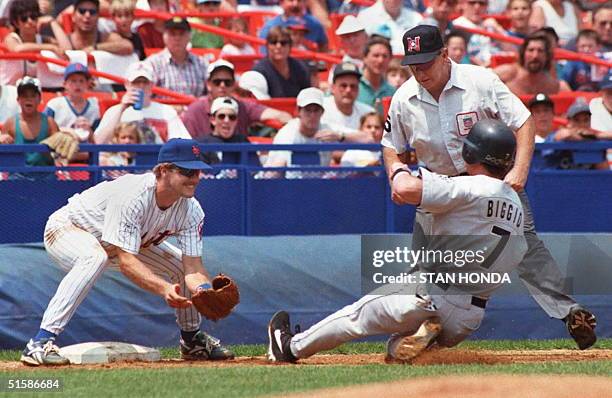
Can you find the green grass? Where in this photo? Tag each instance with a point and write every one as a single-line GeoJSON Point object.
{"type": "Point", "coordinates": [260, 380]}
{"type": "Point", "coordinates": [265, 380]}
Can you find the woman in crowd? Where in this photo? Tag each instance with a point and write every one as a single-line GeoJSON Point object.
{"type": "Point", "coordinates": [285, 75]}
{"type": "Point", "coordinates": [26, 20]}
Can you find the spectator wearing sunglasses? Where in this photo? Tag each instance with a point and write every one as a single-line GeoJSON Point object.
{"type": "Point", "coordinates": [26, 20]}
{"type": "Point", "coordinates": [221, 83]}
{"type": "Point", "coordinates": [223, 121]}
{"type": "Point", "coordinates": [286, 76]}
{"type": "Point", "coordinates": [86, 36]}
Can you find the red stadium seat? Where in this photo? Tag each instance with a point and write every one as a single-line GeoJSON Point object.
{"type": "Point", "coordinates": [243, 63]}
{"type": "Point", "coordinates": [283, 104]}
{"type": "Point", "coordinates": [503, 58]}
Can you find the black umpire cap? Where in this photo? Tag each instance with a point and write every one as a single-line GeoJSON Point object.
{"type": "Point", "coordinates": [421, 44]}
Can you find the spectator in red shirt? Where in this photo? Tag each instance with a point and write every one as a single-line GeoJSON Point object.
{"type": "Point", "coordinates": [221, 83]}
{"type": "Point", "coordinates": [152, 33]}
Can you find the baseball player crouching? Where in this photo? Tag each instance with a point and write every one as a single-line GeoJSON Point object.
{"type": "Point", "coordinates": [123, 224]}
{"type": "Point", "coordinates": [446, 314]}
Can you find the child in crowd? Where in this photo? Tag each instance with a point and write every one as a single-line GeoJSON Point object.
{"type": "Point", "coordinates": [26, 20]}
{"type": "Point", "coordinates": [371, 123]}
{"type": "Point", "coordinates": [297, 30]}
{"type": "Point", "coordinates": [201, 39]}
{"type": "Point", "coordinates": [74, 110]}
{"type": "Point", "coordinates": [456, 43]}
{"type": "Point", "coordinates": [122, 12]}
{"type": "Point", "coordinates": [29, 126]}
{"type": "Point", "coordinates": [578, 74]}
{"type": "Point", "coordinates": [237, 46]}
{"type": "Point", "coordinates": [125, 133]}
{"type": "Point", "coordinates": [396, 74]}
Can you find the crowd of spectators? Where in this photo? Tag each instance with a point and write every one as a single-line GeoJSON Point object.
{"type": "Point", "coordinates": [341, 102]}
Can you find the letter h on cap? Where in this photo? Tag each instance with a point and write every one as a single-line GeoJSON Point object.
{"type": "Point", "coordinates": [413, 45]}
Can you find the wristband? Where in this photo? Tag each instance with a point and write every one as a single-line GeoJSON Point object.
{"type": "Point", "coordinates": [396, 172]}
{"type": "Point", "coordinates": [205, 286]}
{"type": "Point", "coordinates": [342, 136]}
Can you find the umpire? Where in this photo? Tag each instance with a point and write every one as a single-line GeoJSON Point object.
{"type": "Point", "coordinates": [433, 113]}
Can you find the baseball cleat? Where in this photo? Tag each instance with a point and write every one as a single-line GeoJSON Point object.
{"type": "Point", "coordinates": [42, 352]}
{"type": "Point", "coordinates": [406, 348]}
{"type": "Point", "coordinates": [279, 335]}
{"type": "Point", "coordinates": [581, 326]}
{"type": "Point", "coordinates": [204, 347]}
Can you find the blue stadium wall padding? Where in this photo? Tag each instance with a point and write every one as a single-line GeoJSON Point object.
{"type": "Point", "coordinates": [310, 276]}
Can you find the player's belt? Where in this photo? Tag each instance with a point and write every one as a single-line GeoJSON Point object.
{"type": "Point", "coordinates": [476, 301]}
{"type": "Point", "coordinates": [479, 302]}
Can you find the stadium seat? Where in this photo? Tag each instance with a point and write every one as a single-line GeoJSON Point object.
{"type": "Point", "coordinates": [564, 99]}
{"type": "Point", "coordinates": [283, 104]}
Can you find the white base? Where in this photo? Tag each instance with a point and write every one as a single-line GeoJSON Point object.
{"type": "Point", "coordinates": [108, 351]}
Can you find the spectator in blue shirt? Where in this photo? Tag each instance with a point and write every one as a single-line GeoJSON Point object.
{"type": "Point", "coordinates": [578, 73]}
{"type": "Point", "coordinates": [297, 8]}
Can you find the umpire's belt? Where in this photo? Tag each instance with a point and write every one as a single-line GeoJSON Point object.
{"type": "Point", "coordinates": [476, 301]}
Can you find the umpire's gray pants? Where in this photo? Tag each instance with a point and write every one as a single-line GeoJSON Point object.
{"type": "Point", "coordinates": [538, 270]}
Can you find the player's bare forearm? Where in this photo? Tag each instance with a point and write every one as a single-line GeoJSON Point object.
{"type": "Point", "coordinates": [394, 161]}
{"type": "Point", "coordinates": [525, 143]}
{"type": "Point", "coordinates": [195, 273]}
{"type": "Point", "coordinates": [140, 274]}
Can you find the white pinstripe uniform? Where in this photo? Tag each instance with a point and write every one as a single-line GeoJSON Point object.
{"type": "Point", "coordinates": [123, 213]}
{"type": "Point", "coordinates": [461, 206]}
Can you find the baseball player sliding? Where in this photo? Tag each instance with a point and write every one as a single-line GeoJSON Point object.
{"type": "Point", "coordinates": [459, 206]}
{"type": "Point", "coordinates": [432, 113]}
{"type": "Point", "coordinates": [123, 224]}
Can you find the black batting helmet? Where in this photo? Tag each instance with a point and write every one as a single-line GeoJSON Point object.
{"type": "Point", "coordinates": [490, 142]}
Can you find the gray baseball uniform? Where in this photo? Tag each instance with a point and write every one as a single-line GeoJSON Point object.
{"type": "Point", "coordinates": [468, 206]}
{"type": "Point", "coordinates": [436, 130]}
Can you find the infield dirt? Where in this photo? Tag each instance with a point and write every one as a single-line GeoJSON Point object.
{"type": "Point", "coordinates": [433, 357]}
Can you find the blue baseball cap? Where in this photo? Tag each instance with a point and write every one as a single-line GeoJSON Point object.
{"type": "Point", "coordinates": [182, 153]}
{"type": "Point", "coordinates": [76, 68]}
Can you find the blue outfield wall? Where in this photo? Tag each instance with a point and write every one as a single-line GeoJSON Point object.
{"type": "Point", "coordinates": [310, 276]}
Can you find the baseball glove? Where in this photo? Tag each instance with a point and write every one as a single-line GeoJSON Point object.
{"type": "Point", "coordinates": [64, 145]}
{"type": "Point", "coordinates": [217, 302]}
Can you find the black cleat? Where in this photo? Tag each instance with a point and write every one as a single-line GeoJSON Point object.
{"type": "Point", "coordinates": [581, 326]}
{"type": "Point", "coordinates": [204, 347]}
{"type": "Point", "coordinates": [279, 335]}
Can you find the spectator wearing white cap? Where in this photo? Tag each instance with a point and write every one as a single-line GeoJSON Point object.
{"type": "Point", "coordinates": [308, 128]}
{"type": "Point", "coordinates": [394, 16]}
{"type": "Point", "coordinates": [158, 122]}
{"type": "Point", "coordinates": [175, 67]}
{"type": "Point", "coordinates": [353, 38]}
{"type": "Point", "coordinates": [253, 85]}
{"type": "Point", "coordinates": [29, 126]}
{"type": "Point", "coordinates": [223, 120]}
{"type": "Point", "coordinates": [221, 83]}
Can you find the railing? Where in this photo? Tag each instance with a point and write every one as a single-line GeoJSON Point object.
{"type": "Point", "coordinates": [240, 200]}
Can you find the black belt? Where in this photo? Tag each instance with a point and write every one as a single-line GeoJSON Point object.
{"type": "Point", "coordinates": [479, 302]}
{"type": "Point", "coordinates": [476, 301]}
